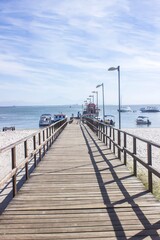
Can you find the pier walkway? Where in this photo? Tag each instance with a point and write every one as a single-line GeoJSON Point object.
{"type": "Point", "coordinates": [80, 190]}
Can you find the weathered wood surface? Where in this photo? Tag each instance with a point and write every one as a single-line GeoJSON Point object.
{"type": "Point", "coordinates": [80, 190]}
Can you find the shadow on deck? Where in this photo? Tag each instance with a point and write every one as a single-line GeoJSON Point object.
{"type": "Point", "coordinates": [81, 191]}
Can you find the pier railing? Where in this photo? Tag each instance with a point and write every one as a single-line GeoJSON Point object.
{"type": "Point", "coordinates": [129, 148]}
{"type": "Point", "coordinates": [23, 156]}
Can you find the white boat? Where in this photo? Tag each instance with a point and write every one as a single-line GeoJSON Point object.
{"type": "Point", "coordinates": [125, 109]}
{"type": "Point", "coordinates": [109, 119]}
{"type": "Point", "coordinates": [45, 120]}
{"type": "Point", "coordinates": [58, 117]}
{"type": "Point", "coordinates": [149, 109]}
{"type": "Point", "coordinates": [143, 120]}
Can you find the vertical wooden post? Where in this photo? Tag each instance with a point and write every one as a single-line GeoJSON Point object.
{"type": "Point", "coordinates": [97, 128]}
{"type": "Point", "coordinates": [14, 178]}
{"type": "Point", "coordinates": [99, 131]}
{"type": "Point", "coordinates": [125, 145]}
{"type": "Point", "coordinates": [103, 133]}
{"type": "Point", "coordinates": [34, 147]}
{"type": "Point", "coordinates": [110, 135]}
{"type": "Point", "coordinates": [107, 135]}
{"type": "Point", "coordinates": [149, 158]}
{"type": "Point", "coordinates": [39, 142]}
{"type": "Point", "coordinates": [113, 140]}
{"type": "Point", "coordinates": [26, 155]}
{"type": "Point", "coordinates": [134, 160]}
{"type": "Point", "coordinates": [119, 143]}
{"type": "Point", "coordinates": [44, 150]}
{"type": "Point", "coordinates": [50, 134]}
{"type": "Point", "coordinates": [47, 137]}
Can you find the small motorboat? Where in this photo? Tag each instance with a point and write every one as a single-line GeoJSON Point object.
{"type": "Point", "coordinates": [58, 117]}
{"type": "Point", "coordinates": [125, 109]}
{"type": "Point", "coordinates": [149, 109]}
{"type": "Point", "coordinates": [109, 119]}
{"type": "Point", "coordinates": [45, 120]}
{"type": "Point", "coordinates": [143, 120]}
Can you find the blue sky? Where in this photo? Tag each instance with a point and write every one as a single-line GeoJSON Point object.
{"type": "Point", "coordinates": [56, 51]}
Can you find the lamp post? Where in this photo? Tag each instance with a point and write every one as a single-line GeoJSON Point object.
{"type": "Point", "coordinates": [102, 85]}
{"type": "Point", "coordinates": [119, 100]}
{"type": "Point", "coordinates": [97, 100]}
{"type": "Point", "coordinates": [92, 97]}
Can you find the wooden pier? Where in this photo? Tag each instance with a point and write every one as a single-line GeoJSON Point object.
{"type": "Point", "coordinates": [81, 190]}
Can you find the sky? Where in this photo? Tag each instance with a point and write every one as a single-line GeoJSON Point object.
{"type": "Point", "coordinates": [55, 52]}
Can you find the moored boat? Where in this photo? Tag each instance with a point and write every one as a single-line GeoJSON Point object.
{"type": "Point", "coordinates": [149, 109]}
{"type": "Point", "coordinates": [58, 117]}
{"type": "Point", "coordinates": [143, 120]}
{"type": "Point", "coordinates": [109, 119]}
{"type": "Point", "coordinates": [125, 109]}
{"type": "Point", "coordinates": [45, 120]}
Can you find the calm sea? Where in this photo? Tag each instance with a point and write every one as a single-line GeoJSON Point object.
{"type": "Point", "coordinates": [27, 117]}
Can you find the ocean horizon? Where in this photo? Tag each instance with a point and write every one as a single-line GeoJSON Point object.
{"type": "Point", "coordinates": [27, 117]}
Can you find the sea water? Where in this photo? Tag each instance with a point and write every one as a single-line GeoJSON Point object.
{"type": "Point", "coordinates": [27, 117]}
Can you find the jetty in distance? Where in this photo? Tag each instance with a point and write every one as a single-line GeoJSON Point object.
{"type": "Point", "coordinates": [73, 183]}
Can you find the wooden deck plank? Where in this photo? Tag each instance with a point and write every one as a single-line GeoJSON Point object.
{"type": "Point", "coordinates": [80, 190]}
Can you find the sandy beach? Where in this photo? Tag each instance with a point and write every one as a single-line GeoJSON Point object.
{"type": "Point", "coordinates": [7, 138]}
{"type": "Point", "coordinates": [151, 134]}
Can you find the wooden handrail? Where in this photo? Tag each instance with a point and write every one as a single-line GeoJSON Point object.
{"type": "Point", "coordinates": [109, 136]}
{"type": "Point", "coordinates": [52, 132]}
{"type": "Point", "coordinates": [8, 147]}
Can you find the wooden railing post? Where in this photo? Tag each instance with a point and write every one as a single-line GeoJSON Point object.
{"type": "Point", "coordinates": [39, 142]}
{"type": "Point", "coordinates": [110, 135]}
{"type": "Point", "coordinates": [149, 158]}
{"type": "Point", "coordinates": [52, 134]}
{"type": "Point", "coordinates": [99, 131]}
{"type": "Point", "coordinates": [47, 138]}
{"type": "Point", "coordinates": [106, 135]}
{"type": "Point", "coordinates": [44, 149]}
{"type": "Point", "coordinates": [14, 178]}
{"type": "Point", "coordinates": [113, 140]}
{"type": "Point", "coordinates": [134, 160]}
{"type": "Point", "coordinates": [34, 147]}
{"type": "Point", "coordinates": [26, 155]}
{"type": "Point", "coordinates": [50, 141]}
{"type": "Point", "coordinates": [103, 133]}
{"type": "Point", "coordinates": [125, 145]}
{"type": "Point", "coordinates": [119, 143]}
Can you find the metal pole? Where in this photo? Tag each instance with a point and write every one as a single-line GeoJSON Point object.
{"type": "Point", "coordinates": [103, 101]}
{"type": "Point", "coordinates": [97, 104]}
{"type": "Point", "coordinates": [119, 96]}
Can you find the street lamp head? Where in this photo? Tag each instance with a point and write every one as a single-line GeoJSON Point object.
{"type": "Point", "coordinates": [113, 68]}
{"type": "Point", "coordinates": [98, 85]}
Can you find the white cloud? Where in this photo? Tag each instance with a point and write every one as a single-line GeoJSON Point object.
{"type": "Point", "coordinates": [71, 43]}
